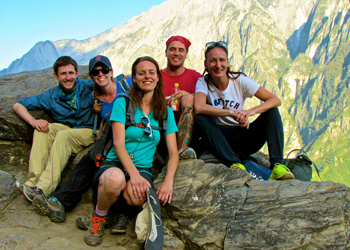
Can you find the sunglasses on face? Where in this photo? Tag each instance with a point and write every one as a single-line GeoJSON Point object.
{"type": "Point", "coordinates": [95, 72]}
{"type": "Point", "coordinates": [145, 121]}
{"type": "Point", "coordinates": [222, 44]}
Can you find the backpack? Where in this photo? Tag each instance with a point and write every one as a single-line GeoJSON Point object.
{"type": "Point", "coordinates": [301, 165]}
{"type": "Point", "coordinates": [125, 87]}
{"type": "Point", "coordinates": [104, 141]}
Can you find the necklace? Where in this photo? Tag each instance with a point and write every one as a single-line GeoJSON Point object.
{"type": "Point", "coordinates": [109, 97]}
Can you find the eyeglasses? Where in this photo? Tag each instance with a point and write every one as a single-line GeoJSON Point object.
{"type": "Point", "coordinates": [95, 72]}
{"type": "Point", "coordinates": [145, 121]}
{"type": "Point", "coordinates": [222, 44]}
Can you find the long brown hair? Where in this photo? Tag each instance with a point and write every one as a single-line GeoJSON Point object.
{"type": "Point", "coordinates": [231, 74]}
{"type": "Point", "coordinates": [158, 102]}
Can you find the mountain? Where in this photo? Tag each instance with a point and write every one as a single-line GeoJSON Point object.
{"type": "Point", "coordinates": [298, 49]}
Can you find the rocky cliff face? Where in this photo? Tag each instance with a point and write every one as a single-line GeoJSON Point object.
{"type": "Point", "coordinates": [297, 49]}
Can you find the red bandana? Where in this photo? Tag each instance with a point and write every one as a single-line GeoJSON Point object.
{"type": "Point", "coordinates": [180, 39]}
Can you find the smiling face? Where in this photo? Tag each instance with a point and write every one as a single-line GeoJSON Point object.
{"type": "Point", "coordinates": [176, 54]}
{"type": "Point", "coordinates": [146, 76]}
{"type": "Point", "coordinates": [102, 79]}
{"type": "Point", "coordinates": [216, 62]}
{"type": "Point", "coordinates": [66, 76]}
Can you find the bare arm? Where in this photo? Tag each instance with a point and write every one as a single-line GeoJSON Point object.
{"type": "Point", "coordinates": [201, 107]}
{"type": "Point", "coordinates": [138, 183]}
{"type": "Point", "coordinates": [40, 125]}
{"type": "Point", "coordinates": [269, 101]}
{"type": "Point", "coordinates": [165, 191]}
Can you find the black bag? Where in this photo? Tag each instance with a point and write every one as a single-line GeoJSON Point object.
{"type": "Point", "coordinates": [301, 165]}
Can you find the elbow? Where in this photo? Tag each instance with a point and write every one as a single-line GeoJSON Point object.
{"type": "Point", "coordinates": [279, 102]}
{"type": "Point", "coordinates": [15, 106]}
{"type": "Point", "coordinates": [197, 109]}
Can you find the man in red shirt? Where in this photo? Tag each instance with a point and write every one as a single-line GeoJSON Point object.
{"type": "Point", "coordinates": [175, 72]}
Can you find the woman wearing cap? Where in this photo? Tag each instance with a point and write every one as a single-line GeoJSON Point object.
{"type": "Point", "coordinates": [102, 98]}
{"type": "Point", "coordinates": [130, 175]}
{"type": "Point", "coordinates": [222, 120]}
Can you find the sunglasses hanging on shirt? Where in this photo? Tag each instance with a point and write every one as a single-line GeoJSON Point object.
{"type": "Point", "coordinates": [146, 122]}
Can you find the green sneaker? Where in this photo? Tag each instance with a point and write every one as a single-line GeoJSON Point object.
{"type": "Point", "coordinates": [93, 236]}
{"type": "Point", "coordinates": [238, 166]}
{"type": "Point", "coordinates": [281, 172]}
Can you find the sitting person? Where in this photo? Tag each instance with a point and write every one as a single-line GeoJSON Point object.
{"type": "Point", "coordinates": [53, 143]}
{"type": "Point", "coordinates": [222, 120]}
{"type": "Point", "coordinates": [105, 92]}
{"type": "Point", "coordinates": [176, 53]}
{"type": "Point", "coordinates": [129, 174]}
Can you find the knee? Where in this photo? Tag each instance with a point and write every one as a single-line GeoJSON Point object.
{"type": "Point", "coordinates": [62, 135]}
{"type": "Point", "coordinates": [130, 198]}
{"type": "Point", "coordinates": [200, 119]}
{"type": "Point", "coordinates": [203, 120]}
{"type": "Point", "coordinates": [187, 101]}
{"type": "Point", "coordinates": [273, 113]}
{"type": "Point", "coordinates": [112, 182]}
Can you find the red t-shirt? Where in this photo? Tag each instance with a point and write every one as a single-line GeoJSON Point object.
{"type": "Point", "coordinates": [187, 81]}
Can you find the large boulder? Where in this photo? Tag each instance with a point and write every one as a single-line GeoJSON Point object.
{"type": "Point", "coordinates": [215, 207]}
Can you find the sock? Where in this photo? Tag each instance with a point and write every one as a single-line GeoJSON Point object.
{"type": "Point", "coordinates": [101, 213]}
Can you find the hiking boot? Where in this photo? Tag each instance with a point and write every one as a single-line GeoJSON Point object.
{"type": "Point", "coordinates": [83, 222]}
{"type": "Point", "coordinates": [281, 172]}
{"type": "Point", "coordinates": [93, 236]}
{"type": "Point", "coordinates": [208, 157]}
{"type": "Point", "coordinates": [49, 207]}
{"type": "Point", "coordinates": [238, 166]}
{"type": "Point", "coordinates": [188, 153]}
{"type": "Point", "coordinates": [120, 227]}
{"type": "Point", "coordinates": [30, 192]}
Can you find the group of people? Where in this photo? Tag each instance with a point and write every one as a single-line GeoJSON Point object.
{"type": "Point", "coordinates": [212, 103]}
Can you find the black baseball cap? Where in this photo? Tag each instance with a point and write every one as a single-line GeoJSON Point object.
{"type": "Point", "coordinates": [101, 59]}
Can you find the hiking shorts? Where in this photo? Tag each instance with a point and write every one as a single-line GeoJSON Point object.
{"type": "Point", "coordinates": [143, 172]}
{"type": "Point", "coordinates": [120, 206]}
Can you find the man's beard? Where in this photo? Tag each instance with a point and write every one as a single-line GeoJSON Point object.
{"type": "Point", "coordinates": [65, 90]}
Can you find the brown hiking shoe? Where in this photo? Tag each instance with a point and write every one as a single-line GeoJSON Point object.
{"type": "Point", "coordinates": [120, 226]}
{"type": "Point", "coordinates": [93, 236]}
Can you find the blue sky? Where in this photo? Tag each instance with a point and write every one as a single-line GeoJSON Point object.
{"type": "Point", "coordinates": [23, 23]}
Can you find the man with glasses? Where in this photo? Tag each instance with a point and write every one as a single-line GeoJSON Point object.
{"type": "Point", "coordinates": [176, 52]}
{"type": "Point", "coordinates": [53, 143]}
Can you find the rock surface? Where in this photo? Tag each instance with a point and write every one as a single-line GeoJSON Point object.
{"type": "Point", "coordinates": [213, 207]}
